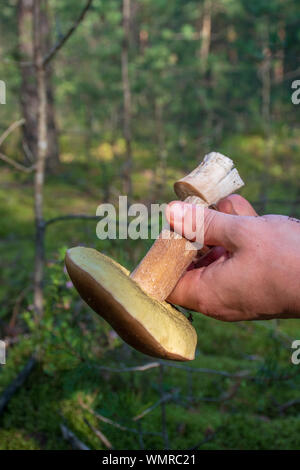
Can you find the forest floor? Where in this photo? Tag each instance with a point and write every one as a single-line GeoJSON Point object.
{"type": "Point", "coordinates": [206, 409]}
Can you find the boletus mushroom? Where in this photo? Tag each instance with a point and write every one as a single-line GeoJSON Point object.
{"type": "Point", "coordinates": [134, 304]}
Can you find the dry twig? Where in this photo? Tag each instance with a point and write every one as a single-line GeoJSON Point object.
{"type": "Point", "coordinates": [16, 165]}
{"type": "Point", "coordinates": [228, 395]}
{"type": "Point", "coordinates": [142, 368]}
{"type": "Point", "coordinates": [245, 374]}
{"type": "Point", "coordinates": [71, 217]}
{"type": "Point", "coordinates": [99, 434]}
{"type": "Point", "coordinates": [6, 133]}
{"type": "Point", "coordinates": [164, 399]}
{"type": "Point", "coordinates": [17, 383]}
{"type": "Point", "coordinates": [163, 407]}
{"type": "Point", "coordinates": [16, 308]}
{"type": "Point", "coordinates": [114, 423]}
{"type": "Point", "coordinates": [72, 438]}
{"type": "Point", "coordinates": [10, 129]}
{"type": "Point", "coordinates": [288, 404]}
{"type": "Point", "coordinates": [68, 34]}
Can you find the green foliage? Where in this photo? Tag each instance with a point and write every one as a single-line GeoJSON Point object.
{"type": "Point", "coordinates": [213, 104]}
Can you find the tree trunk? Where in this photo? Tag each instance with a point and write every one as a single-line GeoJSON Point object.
{"type": "Point", "coordinates": [162, 152]}
{"type": "Point", "coordinates": [127, 167]}
{"type": "Point", "coordinates": [28, 85]}
{"type": "Point", "coordinates": [205, 26]}
{"type": "Point", "coordinates": [28, 92]}
{"type": "Point", "coordinates": [41, 155]}
{"type": "Point", "coordinates": [265, 73]}
{"type": "Point", "coordinates": [52, 134]}
{"type": "Point", "coordinates": [205, 34]}
{"type": "Point", "coordinates": [279, 62]}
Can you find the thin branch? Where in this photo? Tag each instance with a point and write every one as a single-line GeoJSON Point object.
{"type": "Point", "coordinates": [141, 440]}
{"type": "Point", "coordinates": [208, 438]}
{"type": "Point", "coordinates": [190, 378]}
{"type": "Point", "coordinates": [68, 34]}
{"type": "Point", "coordinates": [16, 384]}
{"type": "Point", "coordinates": [277, 334]}
{"type": "Point", "coordinates": [10, 129]}
{"type": "Point", "coordinates": [228, 395]}
{"type": "Point", "coordinates": [70, 349]}
{"type": "Point", "coordinates": [288, 76]}
{"type": "Point", "coordinates": [204, 441]}
{"type": "Point", "coordinates": [107, 420]}
{"type": "Point", "coordinates": [16, 308]}
{"type": "Point", "coordinates": [141, 368]}
{"type": "Point", "coordinates": [71, 217]}
{"type": "Point", "coordinates": [10, 341]}
{"type": "Point", "coordinates": [288, 404]}
{"type": "Point", "coordinates": [245, 374]}
{"type": "Point", "coordinates": [27, 152]}
{"type": "Point", "coordinates": [17, 166]}
{"type": "Point", "coordinates": [114, 423]}
{"type": "Point", "coordinates": [275, 201]}
{"type": "Point", "coordinates": [72, 439]}
{"type": "Point", "coordinates": [67, 217]}
{"type": "Point", "coordinates": [102, 438]}
{"type": "Point", "coordinates": [8, 160]}
{"type": "Point", "coordinates": [165, 398]}
{"type": "Point", "coordinates": [164, 428]}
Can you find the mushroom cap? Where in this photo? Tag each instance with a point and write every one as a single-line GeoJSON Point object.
{"type": "Point", "coordinates": [152, 327]}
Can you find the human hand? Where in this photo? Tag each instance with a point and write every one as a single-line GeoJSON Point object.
{"type": "Point", "coordinates": [253, 271]}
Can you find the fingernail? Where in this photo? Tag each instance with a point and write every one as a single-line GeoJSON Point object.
{"type": "Point", "coordinates": [176, 211]}
{"type": "Point", "coordinates": [231, 209]}
{"type": "Point", "coordinates": [226, 206]}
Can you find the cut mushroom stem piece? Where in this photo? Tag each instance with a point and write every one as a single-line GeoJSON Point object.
{"type": "Point", "coordinates": [134, 305]}
{"type": "Point", "coordinates": [170, 255]}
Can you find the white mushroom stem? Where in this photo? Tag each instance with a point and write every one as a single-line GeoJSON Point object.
{"type": "Point", "coordinates": [212, 180]}
{"type": "Point", "coordinates": [170, 255]}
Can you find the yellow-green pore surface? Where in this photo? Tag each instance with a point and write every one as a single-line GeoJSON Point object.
{"type": "Point", "coordinates": [155, 328]}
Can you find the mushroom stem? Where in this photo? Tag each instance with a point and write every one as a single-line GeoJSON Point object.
{"type": "Point", "coordinates": [168, 258]}
{"type": "Point", "coordinates": [170, 255]}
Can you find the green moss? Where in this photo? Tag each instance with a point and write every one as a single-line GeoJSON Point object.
{"type": "Point", "coordinates": [72, 341]}
{"type": "Point", "coordinates": [14, 439]}
{"type": "Point", "coordinates": [248, 420]}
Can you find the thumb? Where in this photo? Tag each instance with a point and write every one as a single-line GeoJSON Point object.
{"type": "Point", "coordinates": [190, 220]}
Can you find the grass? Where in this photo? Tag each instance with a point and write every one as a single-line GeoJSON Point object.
{"type": "Point", "coordinates": [250, 419]}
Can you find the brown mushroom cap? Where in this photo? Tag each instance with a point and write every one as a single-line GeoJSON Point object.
{"type": "Point", "coordinates": [152, 327]}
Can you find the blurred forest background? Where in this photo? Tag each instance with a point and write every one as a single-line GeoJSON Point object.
{"type": "Point", "coordinates": [124, 97]}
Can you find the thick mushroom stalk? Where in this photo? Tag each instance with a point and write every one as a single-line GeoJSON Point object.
{"type": "Point", "coordinates": [170, 255]}
{"type": "Point", "coordinates": [134, 305]}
